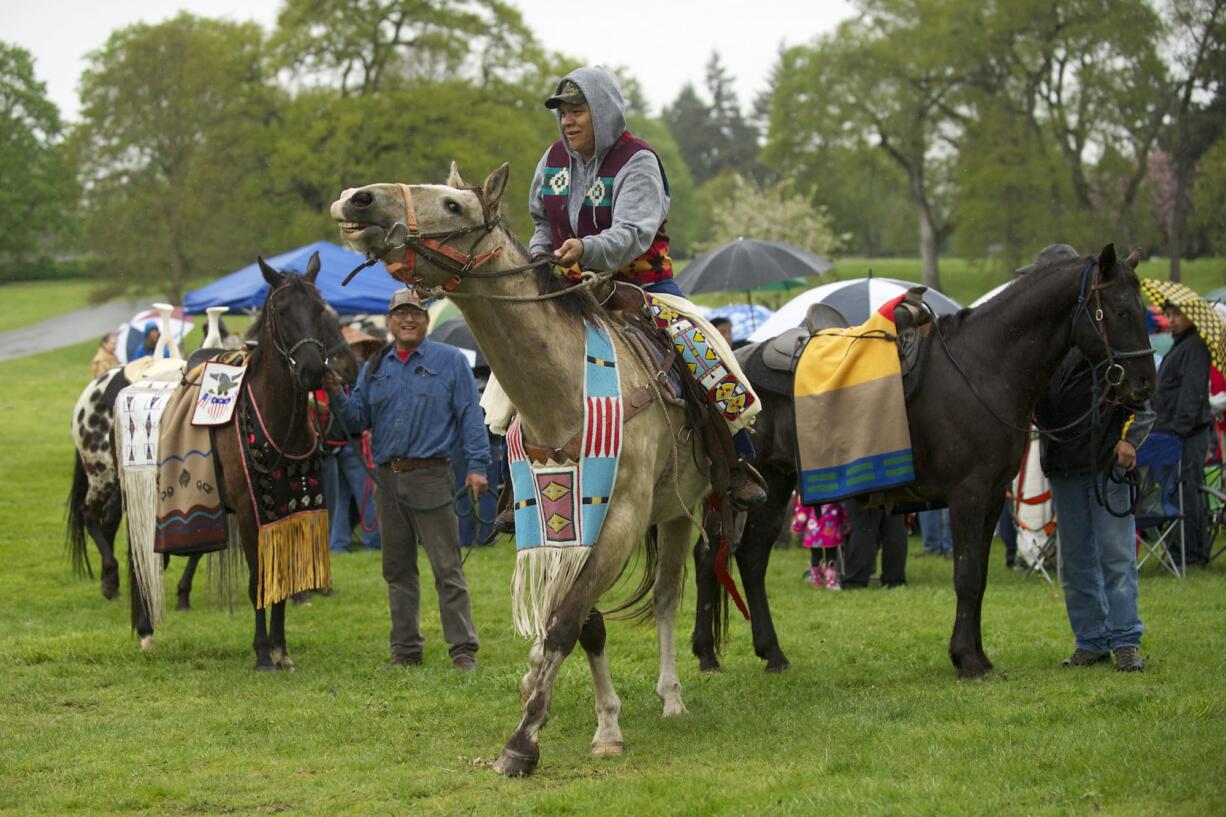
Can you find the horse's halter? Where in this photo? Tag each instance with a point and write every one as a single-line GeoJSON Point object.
{"type": "Point", "coordinates": [1092, 285]}
{"type": "Point", "coordinates": [433, 246]}
{"type": "Point", "coordinates": [278, 339]}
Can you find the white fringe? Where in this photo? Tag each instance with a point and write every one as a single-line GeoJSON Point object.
{"type": "Point", "coordinates": [543, 576]}
{"type": "Point", "coordinates": [140, 487]}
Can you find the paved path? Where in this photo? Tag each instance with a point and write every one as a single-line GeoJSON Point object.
{"type": "Point", "coordinates": [65, 330]}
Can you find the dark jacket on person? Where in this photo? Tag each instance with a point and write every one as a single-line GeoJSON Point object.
{"type": "Point", "coordinates": [1181, 400]}
{"type": "Point", "coordinates": [1084, 449]}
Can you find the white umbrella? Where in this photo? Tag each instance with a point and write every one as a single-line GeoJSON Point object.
{"type": "Point", "coordinates": [856, 298]}
{"type": "Point", "coordinates": [180, 325]}
{"type": "Point", "coordinates": [992, 293]}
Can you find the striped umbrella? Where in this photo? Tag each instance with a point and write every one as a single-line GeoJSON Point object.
{"type": "Point", "coordinates": [1204, 317]}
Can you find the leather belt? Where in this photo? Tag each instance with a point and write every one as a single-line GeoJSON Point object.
{"type": "Point", "coordinates": [402, 464]}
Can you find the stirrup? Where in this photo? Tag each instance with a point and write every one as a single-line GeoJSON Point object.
{"type": "Point", "coordinates": [747, 488]}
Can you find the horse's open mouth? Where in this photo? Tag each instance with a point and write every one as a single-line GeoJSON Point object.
{"type": "Point", "coordinates": [353, 229]}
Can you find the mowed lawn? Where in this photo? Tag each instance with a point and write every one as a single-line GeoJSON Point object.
{"type": "Point", "coordinates": [869, 720]}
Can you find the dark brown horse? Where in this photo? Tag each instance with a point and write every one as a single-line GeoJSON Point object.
{"type": "Point", "coordinates": [298, 339]}
{"type": "Point", "coordinates": [979, 377]}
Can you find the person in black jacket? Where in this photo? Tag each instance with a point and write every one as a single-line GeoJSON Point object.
{"type": "Point", "coordinates": [1181, 402]}
{"type": "Point", "coordinates": [1094, 518]}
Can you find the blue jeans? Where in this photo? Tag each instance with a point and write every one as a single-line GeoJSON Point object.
{"type": "Point", "coordinates": [936, 530]}
{"type": "Point", "coordinates": [1100, 563]}
{"type": "Point", "coordinates": [345, 479]}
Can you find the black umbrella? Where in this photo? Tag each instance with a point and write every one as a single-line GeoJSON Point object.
{"type": "Point", "coordinates": [455, 332]}
{"type": "Point", "coordinates": [747, 264]}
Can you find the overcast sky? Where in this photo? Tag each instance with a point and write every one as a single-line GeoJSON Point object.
{"type": "Point", "coordinates": [664, 43]}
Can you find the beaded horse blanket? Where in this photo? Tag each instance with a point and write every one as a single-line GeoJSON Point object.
{"type": "Point", "coordinates": [286, 491]}
{"type": "Point", "coordinates": [851, 414]}
{"type": "Point", "coordinates": [560, 506]}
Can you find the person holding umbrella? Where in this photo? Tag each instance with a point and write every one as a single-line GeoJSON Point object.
{"type": "Point", "coordinates": [599, 201]}
{"type": "Point", "coordinates": [1181, 400]}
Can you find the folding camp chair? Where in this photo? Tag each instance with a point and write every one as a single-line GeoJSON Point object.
{"type": "Point", "coordinates": [1213, 494]}
{"type": "Point", "coordinates": [1159, 507]}
{"type": "Point", "coordinates": [1034, 516]}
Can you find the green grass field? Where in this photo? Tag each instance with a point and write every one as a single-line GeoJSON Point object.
{"type": "Point", "coordinates": [869, 720]}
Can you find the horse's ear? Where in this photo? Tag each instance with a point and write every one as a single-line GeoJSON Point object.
{"type": "Point", "coordinates": [453, 178]}
{"type": "Point", "coordinates": [312, 267]}
{"type": "Point", "coordinates": [1134, 257]}
{"type": "Point", "coordinates": [495, 185]}
{"type": "Point", "coordinates": [273, 277]}
{"type": "Point", "coordinates": [1106, 261]}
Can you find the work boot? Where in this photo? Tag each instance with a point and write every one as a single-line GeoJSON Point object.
{"type": "Point", "coordinates": [747, 489]}
{"type": "Point", "coordinates": [1084, 658]}
{"type": "Point", "coordinates": [1128, 659]}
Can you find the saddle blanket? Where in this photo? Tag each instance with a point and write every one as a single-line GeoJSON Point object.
{"type": "Point", "coordinates": [190, 516]}
{"type": "Point", "coordinates": [138, 416]}
{"type": "Point", "coordinates": [851, 415]}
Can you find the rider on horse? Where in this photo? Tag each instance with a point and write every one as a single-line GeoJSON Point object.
{"type": "Point", "coordinates": [599, 201]}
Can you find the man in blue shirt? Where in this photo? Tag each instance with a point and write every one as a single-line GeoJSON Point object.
{"type": "Point", "coordinates": [419, 399]}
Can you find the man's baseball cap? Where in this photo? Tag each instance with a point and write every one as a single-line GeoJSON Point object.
{"type": "Point", "coordinates": [406, 297]}
{"type": "Point", "coordinates": [568, 93]}
{"type": "Point", "coordinates": [1048, 255]}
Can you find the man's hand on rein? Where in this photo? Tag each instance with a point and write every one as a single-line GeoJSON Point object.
{"type": "Point", "coordinates": [1125, 455]}
{"type": "Point", "coordinates": [477, 482]}
{"type": "Point", "coordinates": [332, 382]}
{"type": "Point", "coordinates": [570, 252]}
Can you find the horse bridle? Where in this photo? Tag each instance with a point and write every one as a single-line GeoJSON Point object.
{"type": "Point", "coordinates": [278, 339]}
{"type": "Point", "coordinates": [405, 235]}
{"type": "Point", "coordinates": [1092, 284]}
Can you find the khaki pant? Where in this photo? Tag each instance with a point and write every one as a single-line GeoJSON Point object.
{"type": "Point", "coordinates": [402, 530]}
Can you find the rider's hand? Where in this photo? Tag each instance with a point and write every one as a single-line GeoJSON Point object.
{"type": "Point", "coordinates": [1125, 455]}
{"type": "Point", "coordinates": [570, 252]}
{"type": "Point", "coordinates": [477, 482]}
{"type": "Point", "coordinates": [332, 383]}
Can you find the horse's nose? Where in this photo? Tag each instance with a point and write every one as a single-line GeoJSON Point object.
{"type": "Point", "coordinates": [362, 199]}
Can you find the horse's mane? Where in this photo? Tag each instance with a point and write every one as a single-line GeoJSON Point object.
{"type": "Point", "coordinates": [579, 304]}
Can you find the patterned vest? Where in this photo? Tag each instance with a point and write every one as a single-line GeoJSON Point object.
{"type": "Point", "coordinates": [596, 215]}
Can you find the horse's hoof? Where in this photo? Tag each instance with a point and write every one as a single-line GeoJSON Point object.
{"type": "Point", "coordinates": [184, 605]}
{"type": "Point", "coordinates": [514, 764]}
{"type": "Point", "coordinates": [776, 661]}
{"type": "Point", "coordinates": [302, 599]}
{"type": "Point", "coordinates": [110, 593]}
{"type": "Point", "coordinates": [674, 709]}
{"type": "Point", "coordinates": [611, 748]}
{"type": "Point", "coordinates": [282, 661]}
{"type": "Point", "coordinates": [147, 644]}
{"type": "Point", "coordinates": [710, 664]}
{"type": "Point", "coordinates": [974, 670]}
{"type": "Point", "coordinates": [262, 667]}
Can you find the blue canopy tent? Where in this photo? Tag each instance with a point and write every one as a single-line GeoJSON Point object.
{"type": "Point", "coordinates": [369, 291]}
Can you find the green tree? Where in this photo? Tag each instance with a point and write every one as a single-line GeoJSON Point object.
{"type": "Point", "coordinates": [773, 213]}
{"type": "Point", "coordinates": [36, 188]}
{"type": "Point", "coordinates": [1198, 106]}
{"type": "Point", "coordinates": [363, 46]}
{"type": "Point", "coordinates": [714, 137]}
{"type": "Point", "coordinates": [1210, 196]}
{"type": "Point", "coordinates": [172, 148]}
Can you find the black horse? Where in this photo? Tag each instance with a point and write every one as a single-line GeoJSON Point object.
{"type": "Point", "coordinates": [979, 376]}
{"type": "Point", "coordinates": [298, 338]}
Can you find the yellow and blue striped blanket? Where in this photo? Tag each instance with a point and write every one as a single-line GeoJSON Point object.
{"type": "Point", "coordinates": [851, 418]}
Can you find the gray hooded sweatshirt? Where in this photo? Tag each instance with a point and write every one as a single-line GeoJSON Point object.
{"type": "Point", "coordinates": [640, 202]}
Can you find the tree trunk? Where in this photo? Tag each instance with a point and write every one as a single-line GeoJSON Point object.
{"type": "Point", "coordinates": [927, 245]}
{"type": "Point", "coordinates": [1179, 217]}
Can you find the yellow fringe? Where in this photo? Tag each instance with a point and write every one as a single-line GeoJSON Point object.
{"type": "Point", "coordinates": [293, 557]}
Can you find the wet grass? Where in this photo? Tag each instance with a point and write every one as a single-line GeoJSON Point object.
{"type": "Point", "coordinates": [868, 721]}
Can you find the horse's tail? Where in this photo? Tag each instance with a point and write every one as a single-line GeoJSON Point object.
{"type": "Point", "coordinates": [637, 607]}
{"type": "Point", "coordinates": [78, 553]}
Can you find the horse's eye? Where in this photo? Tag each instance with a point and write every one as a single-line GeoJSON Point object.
{"type": "Point", "coordinates": [452, 206]}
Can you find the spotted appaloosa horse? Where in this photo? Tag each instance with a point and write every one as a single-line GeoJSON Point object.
{"type": "Point", "coordinates": [95, 506]}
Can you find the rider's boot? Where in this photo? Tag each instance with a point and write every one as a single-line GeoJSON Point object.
{"type": "Point", "coordinates": [747, 487]}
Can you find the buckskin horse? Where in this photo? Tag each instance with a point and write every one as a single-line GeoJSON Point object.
{"type": "Point", "coordinates": [532, 334]}
{"type": "Point", "coordinates": [979, 375]}
{"type": "Point", "coordinates": [298, 338]}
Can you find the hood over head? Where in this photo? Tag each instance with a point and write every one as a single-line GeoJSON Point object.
{"type": "Point", "coordinates": [604, 99]}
